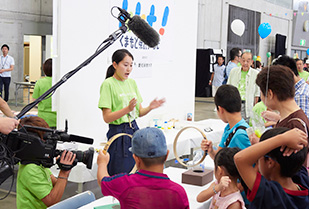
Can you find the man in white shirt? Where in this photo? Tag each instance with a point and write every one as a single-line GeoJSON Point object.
{"type": "Point", "coordinates": [6, 66]}
{"type": "Point", "coordinates": [244, 79]}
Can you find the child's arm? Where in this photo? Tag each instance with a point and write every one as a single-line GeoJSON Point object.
{"type": "Point", "coordinates": [206, 145]}
{"type": "Point", "coordinates": [294, 139]}
{"type": "Point", "coordinates": [102, 162]}
{"type": "Point", "coordinates": [213, 189]}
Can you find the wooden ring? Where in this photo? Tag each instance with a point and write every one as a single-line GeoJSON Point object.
{"type": "Point", "coordinates": [175, 143]}
{"type": "Point", "coordinates": [111, 140]}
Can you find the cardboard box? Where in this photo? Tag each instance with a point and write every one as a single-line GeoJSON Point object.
{"type": "Point", "coordinates": [197, 178]}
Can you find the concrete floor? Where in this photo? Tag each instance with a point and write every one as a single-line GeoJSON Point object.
{"type": "Point", "coordinates": [204, 109]}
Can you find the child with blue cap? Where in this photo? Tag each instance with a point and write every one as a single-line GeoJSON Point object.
{"type": "Point", "coordinates": [148, 187]}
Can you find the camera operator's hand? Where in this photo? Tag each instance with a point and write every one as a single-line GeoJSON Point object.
{"type": "Point", "coordinates": [67, 158]}
{"type": "Point", "coordinates": [7, 125]}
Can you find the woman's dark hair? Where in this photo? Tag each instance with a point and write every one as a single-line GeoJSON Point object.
{"type": "Point", "coordinates": [289, 165]}
{"type": "Point", "coordinates": [34, 121]}
{"type": "Point", "coordinates": [280, 81]}
{"type": "Point", "coordinates": [225, 158]}
{"type": "Point", "coordinates": [117, 57]}
{"type": "Point", "coordinates": [48, 67]}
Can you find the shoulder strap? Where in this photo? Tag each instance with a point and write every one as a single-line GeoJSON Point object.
{"type": "Point", "coordinates": [228, 140]}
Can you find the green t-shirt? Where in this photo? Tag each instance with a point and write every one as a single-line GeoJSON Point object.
{"type": "Point", "coordinates": [45, 106]}
{"type": "Point", "coordinates": [116, 95]}
{"type": "Point", "coordinates": [242, 85]}
{"type": "Point", "coordinates": [257, 114]}
{"type": "Point", "coordinates": [304, 75]}
{"type": "Point", "coordinates": [33, 184]}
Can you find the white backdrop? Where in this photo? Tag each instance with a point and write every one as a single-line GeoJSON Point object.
{"type": "Point", "coordinates": [79, 28]}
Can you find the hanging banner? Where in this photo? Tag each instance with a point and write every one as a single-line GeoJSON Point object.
{"type": "Point", "coordinates": [158, 15]}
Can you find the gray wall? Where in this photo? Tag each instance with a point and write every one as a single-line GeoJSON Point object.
{"type": "Point", "coordinates": [19, 18]}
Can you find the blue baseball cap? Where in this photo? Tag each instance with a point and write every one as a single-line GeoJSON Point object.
{"type": "Point", "coordinates": [149, 143]}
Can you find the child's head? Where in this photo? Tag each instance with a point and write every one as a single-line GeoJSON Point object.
{"type": "Point", "coordinates": [288, 62]}
{"type": "Point", "coordinates": [289, 165]}
{"type": "Point", "coordinates": [280, 82]}
{"type": "Point", "coordinates": [117, 57]}
{"type": "Point", "coordinates": [228, 97]}
{"type": "Point", "coordinates": [48, 67]}
{"type": "Point", "coordinates": [220, 60]}
{"type": "Point", "coordinates": [34, 121]}
{"type": "Point", "coordinates": [149, 145]}
{"type": "Point", "coordinates": [224, 159]}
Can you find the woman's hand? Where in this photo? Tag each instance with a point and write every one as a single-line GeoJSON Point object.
{"type": "Point", "coordinates": [270, 116]}
{"type": "Point", "coordinates": [132, 104]}
{"type": "Point", "coordinates": [156, 103]}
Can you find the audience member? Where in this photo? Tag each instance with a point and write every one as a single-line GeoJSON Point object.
{"type": "Point", "coordinates": [217, 76]}
{"type": "Point", "coordinates": [148, 187]}
{"type": "Point", "coordinates": [224, 191]}
{"type": "Point", "coordinates": [277, 93]}
{"type": "Point", "coordinates": [300, 68]}
{"type": "Point", "coordinates": [235, 55]}
{"type": "Point", "coordinates": [301, 88]}
{"type": "Point", "coordinates": [282, 181]}
{"type": "Point", "coordinates": [244, 79]}
{"type": "Point", "coordinates": [228, 103]}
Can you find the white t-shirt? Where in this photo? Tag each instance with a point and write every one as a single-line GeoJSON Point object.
{"type": "Point", "coordinates": [5, 63]}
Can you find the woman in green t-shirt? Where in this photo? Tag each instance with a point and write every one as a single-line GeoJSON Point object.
{"type": "Point", "coordinates": [120, 102]}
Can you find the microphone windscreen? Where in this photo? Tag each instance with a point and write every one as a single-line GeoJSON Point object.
{"type": "Point", "coordinates": [144, 31]}
{"type": "Point", "coordinates": [80, 139]}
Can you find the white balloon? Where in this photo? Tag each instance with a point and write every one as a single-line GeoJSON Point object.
{"type": "Point", "coordinates": [238, 27]}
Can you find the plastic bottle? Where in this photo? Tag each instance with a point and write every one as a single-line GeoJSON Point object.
{"type": "Point", "coordinates": [165, 126]}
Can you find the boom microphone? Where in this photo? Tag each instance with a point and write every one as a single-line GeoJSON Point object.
{"type": "Point", "coordinates": [140, 28]}
{"type": "Point", "coordinates": [75, 138]}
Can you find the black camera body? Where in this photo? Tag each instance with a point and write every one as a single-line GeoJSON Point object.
{"type": "Point", "coordinates": [25, 146]}
{"type": "Point", "coordinates": [30, 148]}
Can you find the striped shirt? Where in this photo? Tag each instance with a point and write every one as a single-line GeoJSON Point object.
{"type": "Point", "coordinates": [302, 96]}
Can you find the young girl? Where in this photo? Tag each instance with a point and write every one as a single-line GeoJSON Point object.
{"type": "Point", "coordinates": [120, 102]}
{"type": "Point", "coordinates": [224, 191]}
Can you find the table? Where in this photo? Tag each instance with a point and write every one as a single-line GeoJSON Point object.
{"type": "Point", "coordinates": [175, 175]}
{"type": "Point", "coordinates": [190, 138]}
{"type": "Point", "coordinates": [23, 85]}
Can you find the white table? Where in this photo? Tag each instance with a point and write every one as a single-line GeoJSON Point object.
{"type": "Point", "coordinates": [23, 85]}
{"type": "Point", "coordinates": [175, 175]}
{"type": "Point", "coordinates": [190, 138]}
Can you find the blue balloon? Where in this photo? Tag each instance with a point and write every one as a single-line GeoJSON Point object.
{"type": "Point", "coordinates": [308, 51]}
{"type": "Point", "coordinates": [264, 30]}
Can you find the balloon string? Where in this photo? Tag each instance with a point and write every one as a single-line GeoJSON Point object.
{"type": "Point", "coordinates": [267, 80]}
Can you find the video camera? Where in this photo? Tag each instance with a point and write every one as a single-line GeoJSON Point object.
{"type": "Point", "coordinates": [27, 147]}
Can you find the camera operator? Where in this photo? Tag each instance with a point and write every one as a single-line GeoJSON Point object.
{"type": "Point", "coordinates": [36, 186]}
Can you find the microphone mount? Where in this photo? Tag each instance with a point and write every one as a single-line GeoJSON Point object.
{"type": "Point", "coordinates": [123, 16]}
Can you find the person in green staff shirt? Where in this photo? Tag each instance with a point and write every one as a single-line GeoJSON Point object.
{"type": "Point", "coordinates": [45, 106]}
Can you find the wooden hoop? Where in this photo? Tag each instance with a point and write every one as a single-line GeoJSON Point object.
{"type": "Point", "coordinates": [175, 143]}
{"type": "Point", "coordinates": [111, 140]}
